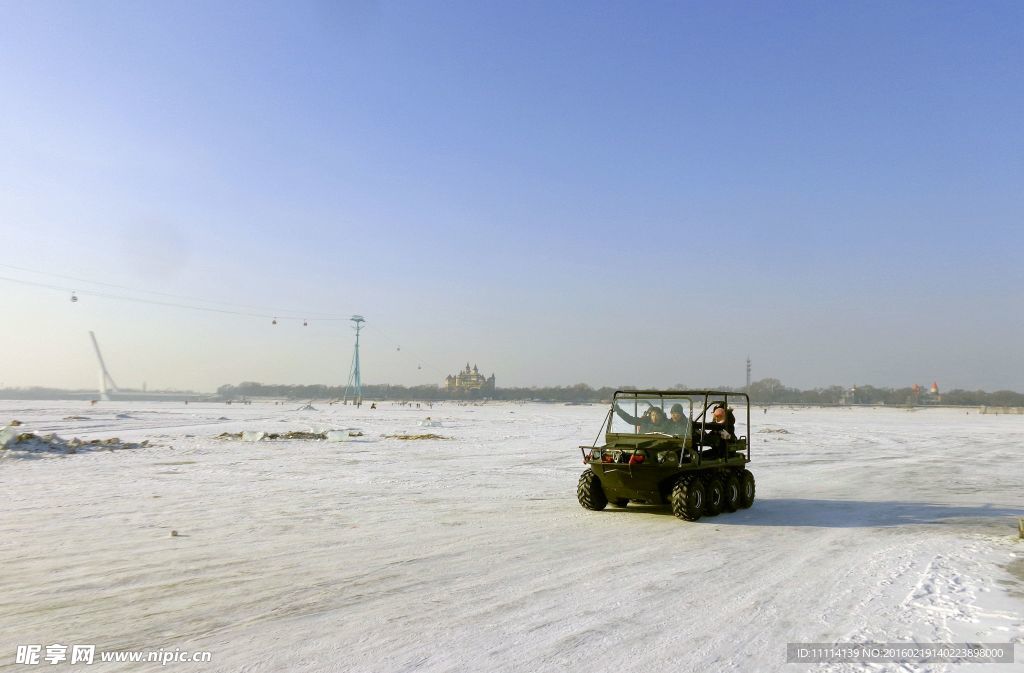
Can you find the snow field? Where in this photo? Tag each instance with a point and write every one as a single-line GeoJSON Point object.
{"type": "Point", "coordinates": [472, 553]}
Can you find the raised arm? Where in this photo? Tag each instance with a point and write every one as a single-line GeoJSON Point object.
{"type": "Point", "coordinates": [632, 420]}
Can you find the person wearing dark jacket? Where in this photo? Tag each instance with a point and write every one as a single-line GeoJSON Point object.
{"type": "Point", "coordinates": [723, 421]}
{"type": "Point", "coordinates": [719, 430]}
{"type": "Point", "coordinates": [652, 420]}
{"type": "Point", "coordinates": [678, 423]}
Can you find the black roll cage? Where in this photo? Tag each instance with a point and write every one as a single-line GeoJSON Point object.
{"type": "Point", "coordinates": [711, 397]}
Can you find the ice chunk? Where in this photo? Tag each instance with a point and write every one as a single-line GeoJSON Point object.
{"type": "Point", "coordinates": [253, 435]}
{"type": "Point", "coordinates": [342, 435]}
{"type": "Point", "coordinates": [8, 435]}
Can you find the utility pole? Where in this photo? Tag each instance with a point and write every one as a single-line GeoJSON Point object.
{"type": "Point", "coordinates": [355, 382]}
{"type": "Point", "coordinates": [748, 375]}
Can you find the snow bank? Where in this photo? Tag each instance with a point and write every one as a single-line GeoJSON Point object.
{"type": "Point", "coordinates": [15, 443]}
{"type": "Point", "coordinates": [342, 435]}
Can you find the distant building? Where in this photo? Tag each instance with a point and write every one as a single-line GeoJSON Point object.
{"type": "Point", "coordinates": [932, 396]}
{"type": "Point", "coordinates": [469, 380]}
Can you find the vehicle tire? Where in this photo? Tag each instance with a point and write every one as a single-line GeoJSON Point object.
{"type": "Point", "coordinates": [688, 498]}
{"type": "Point", "coordinates": [590, 493]}
{"type": "Point", "coordinates": [730, 492]}
{"type": "Point", "coordinates": [715, 493]}
{"type": "Point", "coordinates": [747, 489]}
{"type": "Point", "coordinates": [621, 502]}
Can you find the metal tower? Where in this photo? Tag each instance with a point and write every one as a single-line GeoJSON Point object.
{"type": "Point", "coordinates": [748, 374]}
{"type": "Point", "coordinates": [106, 381]}
{"type": "Point", "coordinates": [355, 381]}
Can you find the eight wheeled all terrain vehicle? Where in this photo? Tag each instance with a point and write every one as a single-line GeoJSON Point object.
{"type": "Point", "coordinates": [680, 448]}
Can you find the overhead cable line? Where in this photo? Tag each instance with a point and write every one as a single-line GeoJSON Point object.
{"type": "Point", "coordinates": [298, 314]}
{"type": "Point", "coordinates": [93, 293]}
{"type": "Point", "coordinates": [275, 315]}
{"type": "Point", "coordinates": [431, 369]}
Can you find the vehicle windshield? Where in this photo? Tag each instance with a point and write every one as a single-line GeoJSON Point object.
{"type": "Point", "coordinates": [647, 414]}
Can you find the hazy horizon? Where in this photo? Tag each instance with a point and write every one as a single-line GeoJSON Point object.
{"type": "Point", "coordinates": [603, 193]}
{"type": "Point", "coordinates": [145, 387]}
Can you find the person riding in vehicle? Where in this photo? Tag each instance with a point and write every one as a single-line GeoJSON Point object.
{"type": "Point", "coordinates": [652, 420]}
{"type": "Point", "coordinates": [678, 421]}
{"type": "Point", "coordinates": [724, 422]}
{"type": "Point", "coordinates": [718, 431]}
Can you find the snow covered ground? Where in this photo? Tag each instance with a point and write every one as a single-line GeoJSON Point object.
{"type": "Point", "coordinates": [472, 554]}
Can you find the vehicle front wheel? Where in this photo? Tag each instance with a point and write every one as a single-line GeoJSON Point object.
{"type": "Point", "coordinates": [688, 498]}
{"type": "Point", "coordinates": [590, 493]}
{"type": "Point", "coordinates": [747, 489]}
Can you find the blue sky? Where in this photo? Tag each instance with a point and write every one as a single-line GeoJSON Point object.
{"type": "Point", "coordinates": [609, 193]}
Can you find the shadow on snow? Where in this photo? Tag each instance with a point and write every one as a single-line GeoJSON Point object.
{"type": "Point", "coordinates": [849, 514]}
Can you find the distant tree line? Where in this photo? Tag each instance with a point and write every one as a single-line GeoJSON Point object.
{"type": "Point", "coordinates": [577, 393]}
{"type": "Point", "coordinates": [772, 391]}
{"type": "Point", "coordinates": [763, 392]}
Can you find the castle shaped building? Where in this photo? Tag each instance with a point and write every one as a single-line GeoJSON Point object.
{"type": "Point", "coordinates": [469, 380]}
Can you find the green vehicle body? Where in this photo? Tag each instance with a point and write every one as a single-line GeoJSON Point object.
{"type": "Point", "coordinates": [690, 469]}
